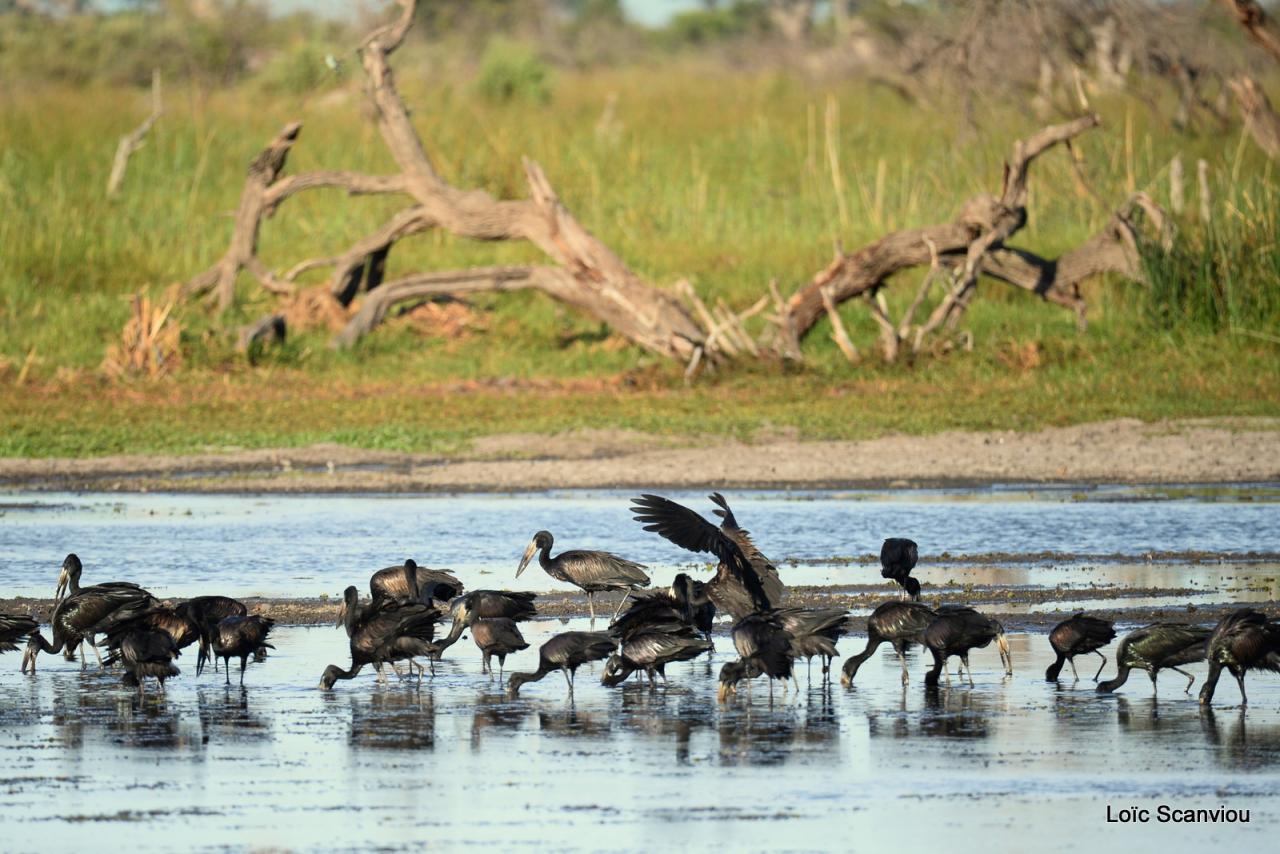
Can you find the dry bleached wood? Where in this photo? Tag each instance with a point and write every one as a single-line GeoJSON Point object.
{"type": "Point", "coordinates": [132, 141]}
{"type": "Point", "coordinates": [588, 275]}
{"type": "Point", "coordinates": [974, 244]}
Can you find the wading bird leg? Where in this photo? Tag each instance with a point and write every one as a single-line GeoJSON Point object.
{"type": "Point", "coordinates": [946, 671]}
{"type": "Point", "coordinates": [1072, 662]}
{"type": "Point", "coordinates": [591, 606]}
{"type": "Point", "coordinates": [620, 604]}
{"type": "Point", "coordinates": [1100, 666]}
{"type": "Point", "coordinates": [968, 669]}
{"type": "Point", "coordinates": [97, 654]}
{"type": "Point", "coordinates": [1190, 678]}
{"type": "Point", "coordinates": [902, 659]}
{"type": "Point", "coordinates": [1244, 700]}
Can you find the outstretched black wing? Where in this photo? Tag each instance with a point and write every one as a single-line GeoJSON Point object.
{"type": "Point", "coordinates": [691, 531]}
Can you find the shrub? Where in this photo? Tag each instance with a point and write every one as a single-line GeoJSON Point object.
{"type": "Point", "coordinates": [510, 71]}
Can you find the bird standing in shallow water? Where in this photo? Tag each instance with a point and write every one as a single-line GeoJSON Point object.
{"type": "Point", "coordinates": [1079, 635]}
{"type": "Point", "coordinates": [898, 557]}
{"type": "Point", "coordinates": [487, 605]}
{"type": "Point", "coordinates": [1156, 647]}
{"type": "Point", "coordinates": [651, 650]}
{"type": "Point", "coordinates": [501, 637]}
{"type": "Point", "coordinates": [588, 570]}
{"type": "Point", "coordinates": [241, 637]}
{"type": "Point", "coordinates": [144, 652]}
{"type": "Point", "coordinates": [411, 582]}
{"type": "Point", "coordinates": [1243, 640]}
{"type": "Point", "coordinates": [764, 649]}
{"type": "Point", "coordinates": [814, 631]}
{"type": "Point", "coordinates": [897, 622]}
{"type": "Point", "coordinates": [957, 630]}
{"type": "Point", "coordinates": [207, 612]}
{"type": "Point", "coordinates": [565, 652]}
{"type": "Point", "coordinates": [388, 631]}
{"type": "Point", "coordinates": [745, 582]}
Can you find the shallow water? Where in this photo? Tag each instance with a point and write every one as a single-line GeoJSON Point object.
{"type": "Point", "coordinates": [284, 545]}
{"type": "Point", "coordinates": [282, 764]}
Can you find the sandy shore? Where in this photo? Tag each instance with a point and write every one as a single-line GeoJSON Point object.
{"type": "Point", "coordinates": [1123, 451]}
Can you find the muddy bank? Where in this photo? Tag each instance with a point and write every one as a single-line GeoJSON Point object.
{"type": "Point", "coordinates": [1123, 604]}
{"type": "Point", "coordinates": [1128, 451]}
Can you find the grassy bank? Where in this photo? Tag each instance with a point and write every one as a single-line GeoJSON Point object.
{"type": "Point", "coordinates": [715, 176]}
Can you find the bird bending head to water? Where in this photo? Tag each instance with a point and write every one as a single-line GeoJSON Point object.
{"type": "Point", "coordinates": [1243, 640]}
{"type": "Point", "coordinates": [898, 623]}
{"type": "Point", "coordinates": [1157, 647]}
{"type": "Point", "coordinates": [588, 570]}
{"type": "Point", "coordinates": [565, 652]}
{"type": "Point", "coordinates": [957, 630]}
{"type": "Point", "coordinates": [1079, 635]}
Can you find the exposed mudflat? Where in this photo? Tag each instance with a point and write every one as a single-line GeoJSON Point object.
{"type": "Point", "coordinates": [1185, 451]}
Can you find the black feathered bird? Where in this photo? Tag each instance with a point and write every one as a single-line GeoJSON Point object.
{"type": "Point", "coordinates": [565, 652]}
{"type": "Point", "coordinates": [898, 623]}
{"type": "Point", "coordinates": [651, 650]}
{"type": "Point", "coordinates": [764, 649]}
{"type": "Point", "coordinates": [957, 630]}
{"type": "Point", "coordinates": [746, 581]}
{"type": "Point", "coordinates": [815, 631]}
{"type": "Point", "coordinates": [241, 637]}
{"type": "Point", "coordinates": [684, 603]}
{"type": "Point", "coordinates": [79, 611]}
{"type": "Point", "coordinates": [143, 652]}
{"type": "Point", "coordinates": [487, 605]}
{"type": "Point", "coordinates": [14, 627]}
{"type": "Point", "coordinates": [898, 557]}
{"type": "Point", "coordinates": [1243, 640]}
{"type": "Point", "coordinates": [588, 570]}
{"type": "Point", "coordinates": [1157, 647]}
{"type": "Point", "coordinates": [207, 612]}
{"type": "Point", "coordinates": [1079, 635]}
{"type": "Point", "coordinates": [412, 583]}
{"type": "Point", "coordinates": [498, 636]}
{"type": "Point", "coordinates": [388, 631]}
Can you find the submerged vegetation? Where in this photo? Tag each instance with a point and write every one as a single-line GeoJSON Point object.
{"type": "Point", "coordinates": [687, 168]}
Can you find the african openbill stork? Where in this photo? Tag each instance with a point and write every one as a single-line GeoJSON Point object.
{"type": "Point", "coordinates": [815, 631]}
{"type": "Point", "coordinates": [207, 612]}
{"type": "Point", "coordinates": [1243, 640]}
{"type": "Point", "coordinates": [955, 631]}
{"type": "Point", "coordinates": [410, 582]}
{"type": "Point", "coordinates": [387, 631]}
{"type": "Point", "coordinates": [588, 570]}
{"type": "Point", "coordinates": [487, 605]}
{"type": "Point", "coordinates": [745, 582]}
{"type": "Point", "coordinates": [673, 606]}
{"type": "Point", "coordinates": [180, 628]}
{"type": "Point", "coordinates": [565, 652]}
{"type": "Point", "coordinates": [498, 636]}
{"type": "Point", "coordinates": [898, 623]}
{"type": "Point", "coordinates": [79, 611]}
{"type": "Point", "coordinates": [14, 627]}
{"type": "Point", "coordinates": [241, 637]}
{"type": "Point", "coordinates": [651, 650]}
{"type": "Point", "coordinates": [1156, 647]}
{"type": "Point", "coordinates": [1079, 635]}
{"type": "Point", "coordinates": [898, 557]}
{"type": "Point", "coordinates": [764, 648]}
{"type": "Point", "coordinates": [143, 652]}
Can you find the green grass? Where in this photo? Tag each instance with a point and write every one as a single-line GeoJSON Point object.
{"type": "Point", "coordinates": [711, 175]}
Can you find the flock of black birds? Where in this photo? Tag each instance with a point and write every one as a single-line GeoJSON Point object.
{"type": "Point", "coordinates": [398, 624]}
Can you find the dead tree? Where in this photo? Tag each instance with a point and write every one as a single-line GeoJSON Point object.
{"type": "Point", "coordinates": [958, 252]}
{"type": "Point", "coordinates": [1259, 118]}
{"type": "Point", "coordinates": [584, 273]}
{"type": "Point", "coordinates": [132, 141]}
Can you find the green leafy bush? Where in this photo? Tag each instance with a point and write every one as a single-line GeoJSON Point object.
{"type": "Point", "coordinates": [510, 71]}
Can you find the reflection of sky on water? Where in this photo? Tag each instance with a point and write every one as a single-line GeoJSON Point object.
{"type": "Point", "coordinates": [308, 545]}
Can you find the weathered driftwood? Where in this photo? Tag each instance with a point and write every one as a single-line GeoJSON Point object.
{"type": "Point", "coordinates": [1259, 118]}
{"type": "Point", "coordinates": [587, 275]}
{"type": "Point", "coordinates": [132, 141]}
{"type": "Point", "coordinates": [1257, 24]}
{"type": "Point", "coordinates": [972, 245]}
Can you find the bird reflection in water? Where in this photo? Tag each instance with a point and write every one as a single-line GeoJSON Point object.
{"type": "Point", "coordinates": [225, 713]}
{"type": "Point", "coordinates": [571, 722]}
{"type": "Point", "coordinates": [393, 720]}
{"type": "Point", "coordinates": [1239, 745]}
{"type": "Point", "coordinates": [495, 712]}
{"type": "Point", "coordinates": [658, 716]}
{"type": "Point", "coordinates": [953, 714]}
